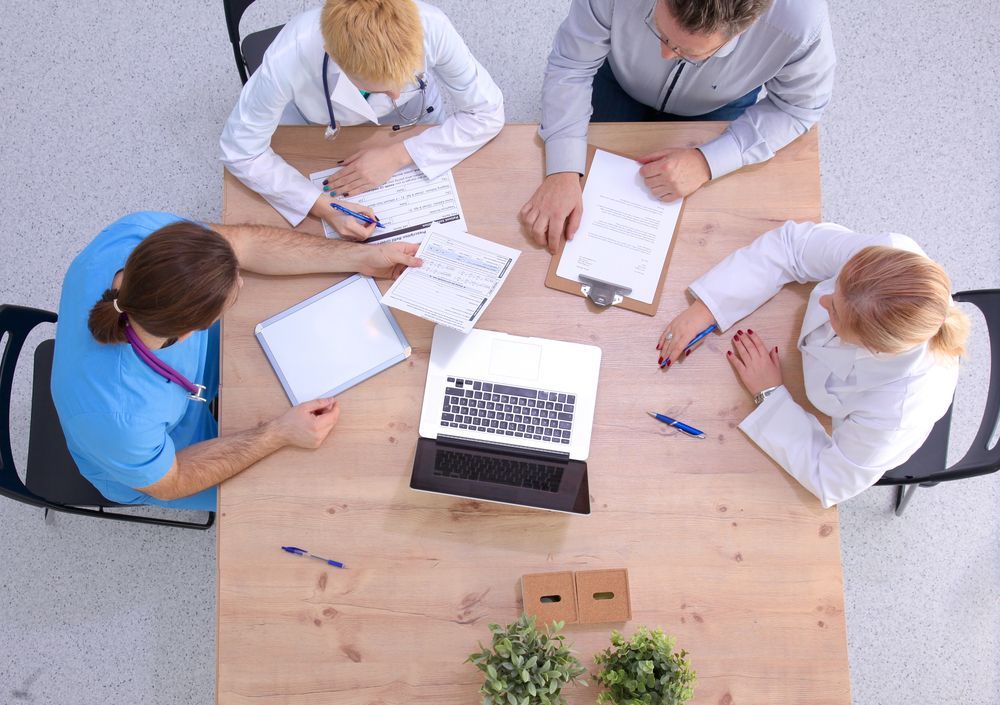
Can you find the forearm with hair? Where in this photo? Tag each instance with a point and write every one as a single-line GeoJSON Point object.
{"type": "Point", "coordinates": [266, 250]}
{"type": "Point", "coordinates": [208, 463]}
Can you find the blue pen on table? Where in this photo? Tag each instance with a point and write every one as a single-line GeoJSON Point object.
{"type": "Point", "coordinates": [682, 427]}
{"type": "Point", "coordinates": [303, 552]}
{"type": "Point", "coordinates": [360, 216]}
{"type": "Point", "coordinates": [695, 341]}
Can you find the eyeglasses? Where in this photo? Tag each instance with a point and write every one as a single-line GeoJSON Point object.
{"type": "Point", "coordinates": [695, 61]}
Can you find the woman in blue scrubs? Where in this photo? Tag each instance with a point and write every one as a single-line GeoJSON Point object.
{"type": "Point", "coordinates": [138, 337]}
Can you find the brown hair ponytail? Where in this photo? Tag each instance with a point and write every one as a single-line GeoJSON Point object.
{"type": "Point", "coordinates": [105, 323]}
{"type": "Point", "coordinates": [179, 279]}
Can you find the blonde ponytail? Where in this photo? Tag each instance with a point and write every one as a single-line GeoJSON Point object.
{"type": "Point", "coordinates": [950, 340]}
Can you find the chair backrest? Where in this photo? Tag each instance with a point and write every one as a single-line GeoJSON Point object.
{"type": "Point", "coordinates": [928, 463]}
{"type": "Point", "coordinates": [16, 322]}
{"type": "Point", "coordinates": [234, 13]}
{"type": "Point", "coordinates": [249, 52]}
{"type": "Point", "coordinates": [980, 458]}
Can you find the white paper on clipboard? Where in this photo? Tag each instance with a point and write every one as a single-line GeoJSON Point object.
{"type": "Point", "coordinates": [332, 341]}
{"type": "Point", "coordinates": [625, 232]}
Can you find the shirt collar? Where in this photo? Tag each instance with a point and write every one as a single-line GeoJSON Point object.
{"type": "Point", "coordinates": [347, 95]}
{"type": "Point", "coordinates": [727, 48]}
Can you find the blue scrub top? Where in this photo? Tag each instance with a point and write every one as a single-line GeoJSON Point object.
{"type": "Point", "coordinates": [123, 422]}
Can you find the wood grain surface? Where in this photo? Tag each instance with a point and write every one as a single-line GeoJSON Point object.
{"type": "Point", "coordinates": [724, 550]}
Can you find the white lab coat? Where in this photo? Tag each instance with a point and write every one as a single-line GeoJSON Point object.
{"type": "Point", "coordinates": [288, 88]}
{"type": "Point", "coordinates": [882, 406]}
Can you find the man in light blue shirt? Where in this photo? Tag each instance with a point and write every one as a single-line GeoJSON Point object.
{"type": "Point", "coordinates": [135, 433]}
{"type": "Point", "coordinates": [767, 65]}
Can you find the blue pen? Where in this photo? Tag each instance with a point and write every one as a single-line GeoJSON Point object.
{"type": "Point", "coordinates": [682, 427]}
{"type": "Point", "coordinates": [696, 340]}
{"type": "Point", "coordinates": [303, 552]}
{"type": "Point", "coordinates": [360, 216]}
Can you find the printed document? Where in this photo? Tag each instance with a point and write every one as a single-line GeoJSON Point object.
{"type": "Point", "coordinates": [407, 204]}
{"type": "Point", "coordinates": [460, 276]}
{"type": "Point", "coordinates": [625, 232]}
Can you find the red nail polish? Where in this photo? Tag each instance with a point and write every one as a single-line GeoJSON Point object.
{"type": "Point", "coordinates": [750, 331]}
{"type": "Point", "coordinates": [659, 345]}
{"type": "Point", "coordinates": [660, 361]}
{"type": "Point", "coordinates": [775, 348]}
{"type": "Point", "coordinates": [668, 363]}
{"type": "Point", "coordinates": [686, 353]}
{"type": "Point", "coordinates": [729, 353]}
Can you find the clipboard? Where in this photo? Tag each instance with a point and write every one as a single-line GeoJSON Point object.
{"type": "Point", "coordinates": [606, 294]}
{"type": "Point", "coordinates": [332, 341]}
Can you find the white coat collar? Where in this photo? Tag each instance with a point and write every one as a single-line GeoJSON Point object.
{"type": "Point", "coordinates": [347, 95]}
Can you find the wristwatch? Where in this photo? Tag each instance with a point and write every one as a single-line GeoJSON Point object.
{"type": "Point", "coordinates": [763, 394]}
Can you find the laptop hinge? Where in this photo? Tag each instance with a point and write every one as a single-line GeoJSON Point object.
{"type": "Point", "coordinates": [503, 447]}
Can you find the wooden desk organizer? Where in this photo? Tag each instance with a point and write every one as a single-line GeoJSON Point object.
{"type": "Point", "coordinates": [583, 597]}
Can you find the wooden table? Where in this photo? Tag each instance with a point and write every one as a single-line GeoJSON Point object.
{"type": "Point", "coordinates": [724, 549]}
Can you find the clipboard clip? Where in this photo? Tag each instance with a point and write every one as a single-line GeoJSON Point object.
{"type": "Point", "coordinates": [603, 293]}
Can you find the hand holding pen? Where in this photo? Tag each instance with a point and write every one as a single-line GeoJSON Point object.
{"type": "Point", "coordinates": [684, 333]}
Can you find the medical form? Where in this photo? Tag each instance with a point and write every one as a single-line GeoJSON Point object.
{"type": "Point", "coordinates": [461, 274]}
{"type": "Point", "coordinates": [407, 204]}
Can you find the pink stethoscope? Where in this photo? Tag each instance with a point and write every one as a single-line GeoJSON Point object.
{"type": "Point", "coordinates": [159, 366]}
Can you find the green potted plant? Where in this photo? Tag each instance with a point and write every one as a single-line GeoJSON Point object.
{"type": "Point", "coordinates": [644, 670]}
{"type": "Point", "coordinates": [525, 665]}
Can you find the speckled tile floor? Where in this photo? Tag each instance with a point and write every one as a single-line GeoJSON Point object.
{"type": "Point", "coordinates": [112, 108]}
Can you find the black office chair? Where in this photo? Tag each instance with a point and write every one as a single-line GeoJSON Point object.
{"type": "Point", "coordinates": [926, 467]}
{"type": "Point", "coordinates": [250, 53]}
{"type": "Point", "coordinates": [51, 480]}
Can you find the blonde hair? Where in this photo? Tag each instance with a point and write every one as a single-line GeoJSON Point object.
{"type": "Point", "coordinates": [896, 299]}
{"type": "Point", "coordinates": [377, 40]}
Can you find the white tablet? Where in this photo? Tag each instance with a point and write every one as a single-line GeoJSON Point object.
{"type": "Point", "coordinates": [332, 341]}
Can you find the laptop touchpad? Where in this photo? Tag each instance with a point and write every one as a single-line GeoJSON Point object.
{"type": "Point", "coordinates": [509, 359]}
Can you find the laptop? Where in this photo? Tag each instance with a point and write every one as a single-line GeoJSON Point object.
{"type": "Point", "coordinates": [508, 419]}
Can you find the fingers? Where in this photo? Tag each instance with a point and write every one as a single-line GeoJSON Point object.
{"type": "Point", "coordinates": [773, 354]}
{"type": "Point", "coordinates": [318, 405]}
{"type": "Point", "coordinates": [557, 226]}
{"type": "Point", "coordinates": [356, 184]}
{"type": "Point", "coordinates": [353, 229]}
{"type": "Point", "coordinates": [742, 346]}
{"type": "Point", "coordinates": [539, 229]}
{"type": "Point", "coordinates": [401, 256]}
{"type": "Point", "coordinates": [755, 340]}
{"type": "Point", "coordinates": [573, 224]}
{"type": "Point", "coordinates": [737, 364]}
{"type": "Point", "coordinates": [653, 156]}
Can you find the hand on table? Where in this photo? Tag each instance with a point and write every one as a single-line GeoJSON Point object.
{"type": "Point", "coordinates": [308, 424]}
{"type": "Point", "coordinates": [757, 366]}
{"type": "Point", "coordinates": [554, 210]}
{"type": "Point", "coordinates": [682, 330]}
{"type": "Point", "coordinates": [674, 173]}
{"type": "Point", "coordinates": [347, 226]}
{"type": "Point", "coordinates": [386, 261]}
{"type": "Point", "coordinates": [367, 169]}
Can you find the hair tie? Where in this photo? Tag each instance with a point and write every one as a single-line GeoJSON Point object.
{"type": "Point", "coordinates": [114, 302]}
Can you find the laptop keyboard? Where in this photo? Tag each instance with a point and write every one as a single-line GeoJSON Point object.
{"type": "Point", "coordinates": [503, 410]}
{"type": "Point", "coordinates": [502, 471]}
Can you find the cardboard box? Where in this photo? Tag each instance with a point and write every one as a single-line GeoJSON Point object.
{"type": "Point", "coordinates": [603, 596]}
{"type": "Point", "coordinates": [584, 597]}
{"type": "Point", "coordinates": [550, 597]}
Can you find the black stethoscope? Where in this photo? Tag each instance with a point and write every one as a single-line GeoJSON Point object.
{"type": "Point", "coordinates": [333, 129]}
